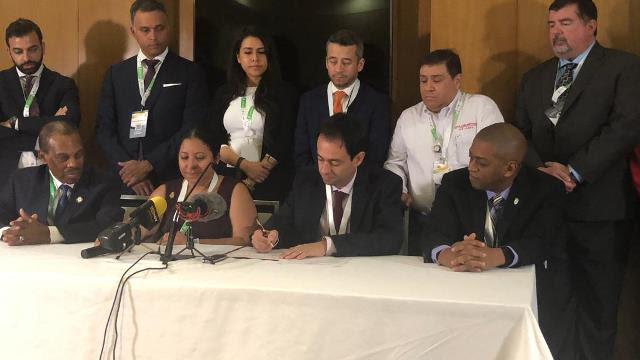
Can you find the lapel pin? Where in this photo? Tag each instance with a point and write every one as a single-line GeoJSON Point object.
{"type": "Point", "coordinates": [79, 199]}
{"type": "Point", "coordinates": [171, 195]}
{"type": "Point", "coordinates": [516, 201]}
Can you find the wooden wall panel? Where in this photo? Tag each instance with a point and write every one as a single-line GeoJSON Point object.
{"type": "Point", "coordinates": [410, 42]}
{"type": "Point", "coordinates": [483, 34]}
{"type": "Point", "coordinates": [59, 25]}
{"type": "Point", "coordinates": [105, 39]}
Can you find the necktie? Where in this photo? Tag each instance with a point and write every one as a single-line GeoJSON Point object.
{"type": "Point", "coordinates": [565, 79]}
{"type": "Point", "coordinates": [337, 101]}
{"type": "Point", "coordinates": [338, 210]}
{"type": "Point", "coordinates": [496, 205]}
{"type": "Point", "coordinates": [34, 109]}
{"type": "Point", "coordinates": [65, 191]}
{"type": "Point", "coordinates": [151, 71]}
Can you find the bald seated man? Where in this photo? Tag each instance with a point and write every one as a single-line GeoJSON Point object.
{"type": "Point", "coordinates": [499, 213]}
{"type": "Point", "coordinates": [62, 201]}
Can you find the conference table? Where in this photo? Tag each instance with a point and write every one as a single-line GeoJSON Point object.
{"type": "Point", "coordinates": [55, 305]}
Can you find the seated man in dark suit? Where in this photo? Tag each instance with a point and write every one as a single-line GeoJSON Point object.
{"type": "Point", "coordinates": [148, 103]}
{"type": "Point", "coordinates": [344, 93]}
{"type": "Point", "coordinates": [61, 201]}
{"type": "Point", "coordinates": [338, 207]}
{"type": "Point", "coordinates": [30, 96]}
{"type": "Point", "coordinates": [496, 213]}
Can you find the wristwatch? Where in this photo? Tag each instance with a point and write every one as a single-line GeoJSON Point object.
{"type": "Point", "coordinates": [12, 121]}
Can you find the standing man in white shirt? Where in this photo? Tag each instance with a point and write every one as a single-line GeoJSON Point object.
{"type": "Point", "coordinates": [31, 95]}
{"type": "Point", "coordinates": [433, 137]}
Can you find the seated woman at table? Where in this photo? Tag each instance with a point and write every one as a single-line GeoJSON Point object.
{"type": "Point", "coordinates": [197, 150]}
{"type": "Point", "coordinates": [256, 111]}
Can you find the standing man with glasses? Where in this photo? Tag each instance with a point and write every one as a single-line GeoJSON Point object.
{"type": "Point", "coordinates": [581, 116]}
{"type": "Point", "coordinates": [148, 102]}
{"type": "Point", "coordinates": [31, 95]}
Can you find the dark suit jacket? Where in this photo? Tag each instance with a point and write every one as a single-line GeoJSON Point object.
{"type": "Point", "coordinates": [598, 128]}
{"type": "Point", "coordinates": [172, 111]}
{"type": "Point", "coordinates": [531, 225]}
{"type": "Point", "coordinates": [81, 220]}
{"type": "Point", "coordinates": [376, 226]}
{"type": "Point", "coordinates": [54, 92]}
{"type": "Point", "coordinates": [370, 108]}
{"type": "Point", "coordinates": [278, 135]}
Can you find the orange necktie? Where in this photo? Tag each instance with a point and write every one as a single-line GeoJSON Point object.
{"type": "Point", "coordinates": [337, 101]}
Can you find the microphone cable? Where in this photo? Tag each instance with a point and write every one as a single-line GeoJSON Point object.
{"type": "Point", "coordinates": [117, 298]}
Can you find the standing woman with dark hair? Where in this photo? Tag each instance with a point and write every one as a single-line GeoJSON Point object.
{"type": "Point", "coordinates": [256, 110]}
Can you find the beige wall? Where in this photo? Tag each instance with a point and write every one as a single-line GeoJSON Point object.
{"type": "Point", "coordinates": [499, 40]}
{"type": "Point", "coordinates": [83, 37]}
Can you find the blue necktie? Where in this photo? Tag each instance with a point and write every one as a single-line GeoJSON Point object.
{"type": "Point", "coordinates": [65, 191]}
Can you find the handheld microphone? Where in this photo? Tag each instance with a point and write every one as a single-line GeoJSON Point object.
{"type": "Point", "coordinates": [93, 252]}
{"type": "Point", "coordinates": [203, 207]}
{"type": "Point", "coordinates": [117, 237]}
{"type": "Point", "coordinates": [149, 213]}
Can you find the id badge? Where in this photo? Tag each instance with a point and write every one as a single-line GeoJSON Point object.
{"type": "Point", "coordinates": [553, 113]}
{"type": "Point", "coordinates": [440, 165]}
{"type": "Point", "coordinates": [138, 128]}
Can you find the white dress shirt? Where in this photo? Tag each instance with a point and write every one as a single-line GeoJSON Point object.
{"type": "Point", "coordinates": [141, 56]}
{"type": "Point", "coordinates": [351, 91]}
{"type": "Point", "coordinates": [324, 220]}
{"type": "Point", "coordinates": [245, 137]}
{"type": "Point", "coordinates": [411, 154]}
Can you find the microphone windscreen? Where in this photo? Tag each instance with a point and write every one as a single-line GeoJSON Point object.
{"type": "Point", "coordinates": [160, 204]}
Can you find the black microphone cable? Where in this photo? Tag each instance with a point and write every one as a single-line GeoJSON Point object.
{"type": "Point", "coordinates": [117, 298]}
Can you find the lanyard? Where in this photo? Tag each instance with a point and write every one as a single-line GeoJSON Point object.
{"type": "Point", "coordinates": [53, 204]}
{"type": "Point", "coordinates": [246, 121]}
{"type": "Point", "coordinates": [345, 214]}
{"type": "Point", "coordinates": [449, 130]}
{"type": "Point", "coordinates": [144, 94]}
{"type": "Point", "coordinates": [32, 95]}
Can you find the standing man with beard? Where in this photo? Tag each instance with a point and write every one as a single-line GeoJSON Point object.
{"type": "Point", "coordinates": [30, 96]}
{"type": "Point", "coordinates": [60, 201]}
{"type": "Point", "coordinates": [581, 116]}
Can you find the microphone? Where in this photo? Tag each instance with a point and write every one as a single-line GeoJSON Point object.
{"type": "Point", "coordinates": [203, 207]}
{"type": "Point", "coordinates": [149, 213]}
{"type": "Point", "coordinates": [117, 237]}
{"type": "Point", "coordinates": [93, 252]}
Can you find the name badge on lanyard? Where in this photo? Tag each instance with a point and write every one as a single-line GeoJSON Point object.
{"type": "Point", "coordinates": [346, 214]}
{"type": "Point", "coordinates": [441, 145]}
{"type": "Point", "coordinates": [32, 95]}
{"type": "Point", "coordinates": [138, 128]}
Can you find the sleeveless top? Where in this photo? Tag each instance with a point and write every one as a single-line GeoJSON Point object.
{"type": "Point", "coordinates": [213, 229]}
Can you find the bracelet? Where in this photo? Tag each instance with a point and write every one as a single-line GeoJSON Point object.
{"type": "Point", "coordinates": [239, 161]}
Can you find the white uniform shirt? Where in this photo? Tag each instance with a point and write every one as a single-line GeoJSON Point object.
{"type": "Point", "coordinates": [411, 154]}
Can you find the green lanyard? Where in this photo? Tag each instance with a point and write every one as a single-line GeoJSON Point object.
{"type": "Point", "coordinates": [32, 95]}
{"type": "Point", "coordinates": [144, 94]}
{"type": "Point", "coordinates": [456, 114]}
{"type": "Point", "coordinates": [51, 209]}
{"type": "Point", "coordinates": [246, 122]}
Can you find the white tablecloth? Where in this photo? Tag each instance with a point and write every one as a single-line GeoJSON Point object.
{"type": "Point", "coordinates": [54, 305]}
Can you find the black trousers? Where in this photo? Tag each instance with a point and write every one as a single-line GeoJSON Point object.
{"type": "Point", "coordinates": [556, 307]}
{"type": "Point", "coordinates": [597, 258]}
{"type": "Point", "coordinates": [417, 222]}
